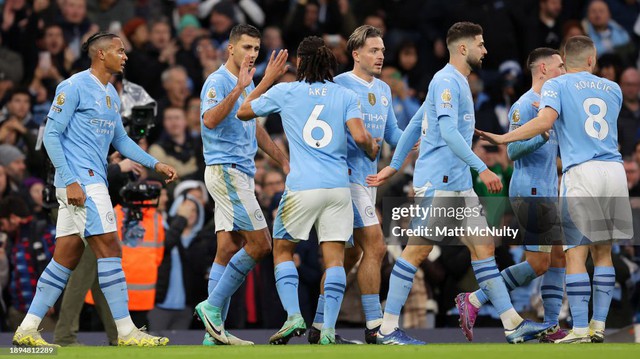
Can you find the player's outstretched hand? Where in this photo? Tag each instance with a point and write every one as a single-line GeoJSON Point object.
{"type": "Point", "coordinates": [491, 137]}
{"type": "Point", "coordinates": [75, 195]}
{"type": "Point", "coordinates": [493, 183]}
{"type": "Point", "coordinates": [245, 76]}
{"type": "Point", "coordinates": [277, 65]}
{"type": "Point", "coordinates": [168, 171]}
{"type": "Point", "coordinates": [382, 177]}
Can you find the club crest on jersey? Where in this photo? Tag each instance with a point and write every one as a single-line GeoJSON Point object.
{"type": "Point", "coordinates": [372, 99]}
{"type": "Point", "coordinates": [108, 102]}
{"type": "Point", "coordinates": [244, 93]}
{"type": "Point", "coordinates": [211, 93]}
{"type": "Point", "coordinates": [369, 212]}
{"type": "Point", "coordinates": [516, 116]}
{"type": "Point", "coordinates": [60, 99]}
{"type": "Point", "coordinates": [385, 101]}
{"type": "Point", "coordinates": [258, 215]}
{"type": "Point", "coordinates": [110, 217]}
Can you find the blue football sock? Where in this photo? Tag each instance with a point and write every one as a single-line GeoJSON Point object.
{"type": "Point", "coordinates": [319, 318]}
{"type": "Point", "coordinates": [400, 285]}
{"type": "Point", "coordinates": [371, 307]}
{"type": "Point", "coordinates": [579, 293]}
{"type": "Point", "coordinates": [492, 284]}
{"type": "Point", "coordinates": [334, 286]}
{"type": "Point", "coordinates": [287, 286]}
{"type": "Point", "coordinates": [50, 285]}
{"type": "Point", "coordinates": [234, 274]}
{"type": "Point", "coordinates": [114, 286]}
{"type": "Point", "coordinates": [552, 290]}
{"type": "Point", "coordinates": [515, 276]}
{"type": "Point", "coordinates": [604, 280]}
{"type": "Point", "coordinates": [214, 277]}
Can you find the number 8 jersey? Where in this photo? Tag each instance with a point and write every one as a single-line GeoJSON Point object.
{"type": "Point", "coordinates": [314, 118]}
{"type": "Point", "coordinates": [588, 108]}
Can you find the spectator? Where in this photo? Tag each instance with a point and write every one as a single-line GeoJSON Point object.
{"type": "Point", "coordinates": [55, 62]}
{"type": "Point", "coordinates": [5, 189]}
{"type": "Point", "coordinates": [152, 58]}
{"type": "Point", "coordinates": [546, 30]}
{"type": "Point", "coordinates": [207, 55]}
{"type": "Point", "coordinates": [34, 186]}
{"type": "Point", "coordinates": [193, 117]}
{"type": "Point", "coordinates": [221, 20]}
{"type": "Point", "coordinates": [608, 36]}
{"type": "Point", "coordinates": [18, 108]}
{"type": "Point", "coordinates": [486, 119]}
{"type": "Point", "coordinates": [242, 12]}
{"type": "Point", "coordinates": [175, 146]}
{"type": "Point", "coordinates": [175, 83]}
{"type": "Point", "coordinates": [110, 15]}
{"type": "Point", "coordinates": [609, 66]}
{"type": "Point", "coordinates": [4, 278]}
{"type": "Point", "coordinates": [629, 118]}
{"type": "Point", "coordinates": [188, 30]}
{"type": "Point", "coordinates": [272, 183]}
{"type": "Point", "coordinates": [137, 32]}
{"type": "Point", "coordinates": [10, 64]}
{"type": "Point", "coordinates": [413, 74]}
{"type": "Point", "coordinates": [404, 105]}
{"type": "Point", "coordinates": [180, 286]}
{"type": "Point", "coordinates": [76, 27]}
{"type": "Point", "coordinates": [183, 8]}
{"type": "Point", "coordinates": [20, 29]}
{"type": "Point", "coordinates": [632, 170]}
{"type": "Point", "coordinates": [30, 248]}
{"type": "Point", "coordinates": [13, 162]}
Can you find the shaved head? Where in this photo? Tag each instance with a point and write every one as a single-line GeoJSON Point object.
{"type": "Point", "coordinates": [99, 41]}
{"type": "Point", "coordinates": [577, 50]}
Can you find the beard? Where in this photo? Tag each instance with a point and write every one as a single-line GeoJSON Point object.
{"type": "Point", "coordinates": [475, 64]}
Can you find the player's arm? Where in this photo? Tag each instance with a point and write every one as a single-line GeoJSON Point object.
{"type": "Point", "coordinates": [406, 142]}
{"type": "Point", "coordinates": [131, 150]}
{"type": "Point", "coordinates": [392, 132]}
{"type": "Point", "coordinates": [539, 125]}
{"type": "Point", "coordinates": [270, 148]}
{"type": "Point", "coordinates": [551, 107]}
{"type": "Point", "coordinates": [362, 137]}
{"type": "Point", "coordinates": [276, 67]}
{"type": "Point", "coordinates": [452, 137]}
{"type": "Point", "coordinates": [212, 117]}
{"type": "Point", "coordinates": [58, 119]}
{"type": "Point", "coordinates": [517, 150]}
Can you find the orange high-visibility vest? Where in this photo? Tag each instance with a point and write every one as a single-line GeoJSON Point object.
{"type": "Point", "coordinates": [140, 263]}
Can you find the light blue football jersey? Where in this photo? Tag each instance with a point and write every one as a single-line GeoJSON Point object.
{"type": "Point", "coordinates": [90, 113]}
{"type": "Point", "coordinates": [588, 107]}
{"type": "Point", "coordinates": [233, 141]}
{"type": "Point", "coordinates": [314, 118]}
{"type": "Point", "coordinates": [534, 174]}
{"type": "Point", "coordinates": [437, 166]}
{"type": "Point", "coordinates": [379, 119]}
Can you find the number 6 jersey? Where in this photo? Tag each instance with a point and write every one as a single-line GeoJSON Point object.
{"type": "Point", "coordinates": [588, 108]}
{"type": "Point", "coordinates": [314, 118]}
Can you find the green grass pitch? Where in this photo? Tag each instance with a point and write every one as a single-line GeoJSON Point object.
{"type": "Point", "coordinates": [439, 351]}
